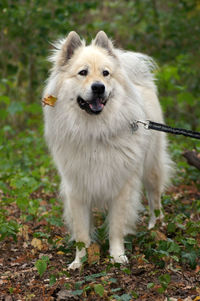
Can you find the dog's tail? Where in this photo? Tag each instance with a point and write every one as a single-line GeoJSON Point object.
{"type": "Point", "coordinates": [140, 68]}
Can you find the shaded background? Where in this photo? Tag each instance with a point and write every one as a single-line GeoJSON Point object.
{"type": "Point", "coordinates": [169, 31]}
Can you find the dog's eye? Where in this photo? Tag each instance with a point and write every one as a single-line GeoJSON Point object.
{"type": "Point", "coordinates": [106, 73]}
{"type": "Point", "coordinates": [83, 72]}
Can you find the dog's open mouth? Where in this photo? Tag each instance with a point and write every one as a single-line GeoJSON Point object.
{"type": "Point", "coordinates": [95, 106]}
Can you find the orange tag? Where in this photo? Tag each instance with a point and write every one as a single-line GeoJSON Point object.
{"type": "Point", "coordinates": [49, 100]}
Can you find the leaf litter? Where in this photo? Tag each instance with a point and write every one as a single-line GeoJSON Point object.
{"type": "Point", "coordinates": [36, 268]}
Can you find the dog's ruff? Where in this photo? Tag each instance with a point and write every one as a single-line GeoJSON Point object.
{"type": "Point", "coordinates": [99, 91]}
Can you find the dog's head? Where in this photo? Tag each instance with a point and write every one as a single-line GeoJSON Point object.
{"type": "Point", "coordinates": [89, 69]}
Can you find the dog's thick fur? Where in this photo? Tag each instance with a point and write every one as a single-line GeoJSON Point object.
{"type": "Point", "coordinates": [99, 91]}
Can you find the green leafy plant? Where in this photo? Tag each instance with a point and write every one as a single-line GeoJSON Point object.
{"type": "Point", "coordinates": [164, 281]}
{"type": "Point", "coordinates": [99, 289]}
{"type": "Point", "coordinates": [41, 265]}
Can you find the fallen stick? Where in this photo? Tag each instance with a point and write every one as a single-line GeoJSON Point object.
{"type": "Point", "coordinates": [193, 158]}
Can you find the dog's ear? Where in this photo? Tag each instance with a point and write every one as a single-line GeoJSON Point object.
{"type": "Point", "coordinates": [103, 41]}
{"type": "Point", "coordinates": [72, 42]}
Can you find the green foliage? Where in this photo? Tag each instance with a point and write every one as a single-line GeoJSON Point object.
{"type": "Point", "coordinates": [94, 276]}
{"type": "Point", "coordinates": [150, 285]}
{"type": "Point", "coordinates": [99, 289]}
{"type": "Point", "coordinates": [167, 32]}
{"type": "Point", "coordinates": [164, 281]}
{"type": "Point", "coordinates": [26, 169]}
{"type": "Point", "coordinates": [181, 249]}
{"type": "Point", "coordinates": [41, 265]}
{"type": "Point", "coordinates": [124, 297]}
{"type": "Point", "coordinates": [52, 280]}
{"type": "Point", "coordinates": [80, 245]}
{"type": "Point", "coordinates": [179, 93]}
{"type": "Point", "coordinates": [7, 228]}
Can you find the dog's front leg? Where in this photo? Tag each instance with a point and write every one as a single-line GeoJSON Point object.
{"type": "Point", "coordinates": [123, 215]}
{"type": "Point", "coordinates": [80, 218]}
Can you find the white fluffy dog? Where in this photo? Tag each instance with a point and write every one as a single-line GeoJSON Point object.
{"type": "Point", "coordinates": [100, 90]}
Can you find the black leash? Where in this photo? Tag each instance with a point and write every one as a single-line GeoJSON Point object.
{"type": "Point", "coordinates": [151, 125]}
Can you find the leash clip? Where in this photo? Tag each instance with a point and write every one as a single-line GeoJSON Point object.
{"type": "Point", "coordinates": [134, 125]}
{"type": "Point", "coordinates": [145, 123]}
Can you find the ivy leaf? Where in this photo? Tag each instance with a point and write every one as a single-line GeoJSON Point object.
{"type": "Point", "coordinates": [52, 280]}
{"type": "Point", "coordinates": [99, 289]}
{"type": "Point", "coordinates": [41, 265]}
{"type": "Point", "coordinates": [77, 292]}
{"type": "Point", "coordinates": [191, 258]}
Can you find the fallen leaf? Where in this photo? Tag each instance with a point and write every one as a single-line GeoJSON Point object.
{"type": "Point", "coordinates": [197, 298]}
{"type": "Point", "coordinates": [65, 294]}
{"type": "Point", "coordinates": [160, 236]}
{"type": "Point", "coordinates": [23, 232]}
{"type": "Point", "coordinates": [8, 298]}
{"type": "Point", "coordinates": [197, 270]}
{"type": "Point", "coordinates": [19, 260]}
{"type": "Point", "coordinates": [49, 100]}
{"type": "Point", "coordinates": [60, 253]}
{"type": "Point", "coordinates": [25, 245]}
{"type": "Point", "coordinates": [141, 260]}
{"type": "Point", "coordinates": [93, 253]}
{"type": "Point", "coordinates": [37, 243]}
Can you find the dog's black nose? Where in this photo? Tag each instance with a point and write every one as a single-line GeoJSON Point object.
{"type": "Point", "coordinates": [98, 88]}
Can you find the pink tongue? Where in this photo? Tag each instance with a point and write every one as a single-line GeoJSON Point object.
{"type": "Point", "coordinates": [96, 105]}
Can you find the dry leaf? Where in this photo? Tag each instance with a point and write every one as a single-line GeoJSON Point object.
{"type": "Point", "coordinates": [37, 243]}
{"type": "Point", "coordinates": [8, 298]}
{"type": "Point", "coordinates": [160, 236]}
{"type": "Point", "coordinates": [60, 253]}
{"type": "Point", "coordinates": [23, 231]}
{"type": "Point", "coordinates": [197, 270]}
{"type": "Point", "coordinates": [49, 100]}
{"type": "Point", "coordinates": [93, 253]}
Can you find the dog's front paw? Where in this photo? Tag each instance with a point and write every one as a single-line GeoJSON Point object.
{"type": "Point", "coordinates": [120, 259]}
{"type": "Point", "coordinates": [74, 265]}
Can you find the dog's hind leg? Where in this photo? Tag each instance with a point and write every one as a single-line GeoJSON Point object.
{"type": "Point", "coordinates": [155, 178]}
{"type": "Point", "coordinates": [153, 191]}
{"type": "Point", "coordinates": [78, 218]}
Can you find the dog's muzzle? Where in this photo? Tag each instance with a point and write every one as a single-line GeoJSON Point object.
{"type": "Point", "coordinates": [97, 102]}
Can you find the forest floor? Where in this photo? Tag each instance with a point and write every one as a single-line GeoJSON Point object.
{"type": "Point", "coordinates": [162, 265]}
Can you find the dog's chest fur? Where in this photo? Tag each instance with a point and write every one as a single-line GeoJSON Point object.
{"type": "Point", "coordinates": [97, 169]}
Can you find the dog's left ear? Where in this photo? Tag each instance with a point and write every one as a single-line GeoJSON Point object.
{"type": "Point", "coordinates": [103, 41]}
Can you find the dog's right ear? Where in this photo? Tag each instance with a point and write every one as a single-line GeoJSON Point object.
{"type": "Point", "coordinates": [71, 43]}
